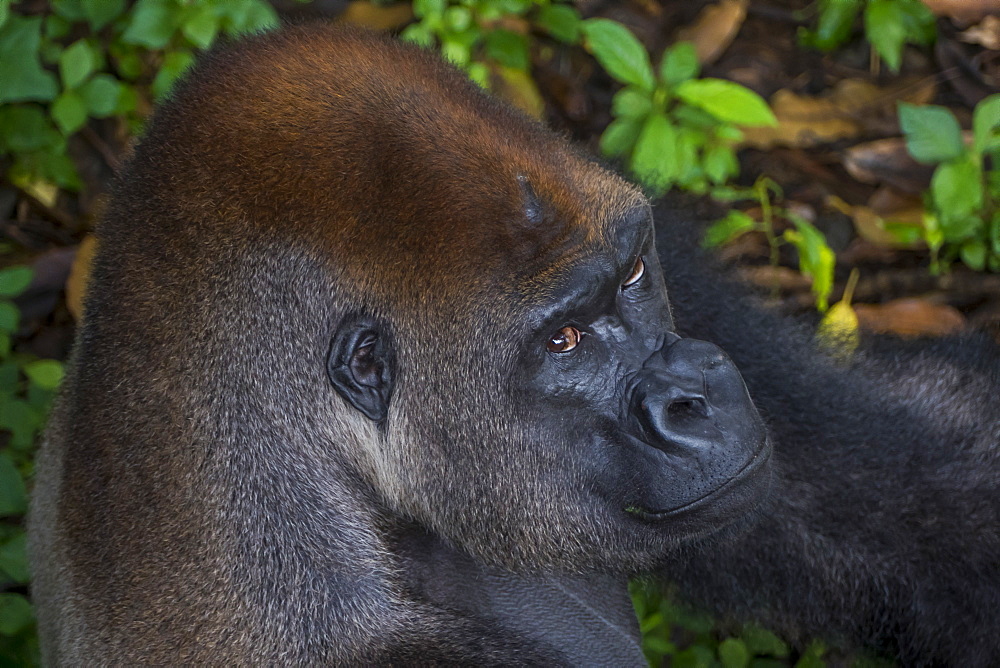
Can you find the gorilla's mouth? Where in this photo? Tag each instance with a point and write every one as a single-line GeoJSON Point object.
{"type": "Point", "coordinates": [740, 484]}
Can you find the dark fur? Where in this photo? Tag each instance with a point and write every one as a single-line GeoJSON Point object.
{"type": "Point", "coordinates": [205, 495]}
{"type": "Point", "coordinates": [884, 528]}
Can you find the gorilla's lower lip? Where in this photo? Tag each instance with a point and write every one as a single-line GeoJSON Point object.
{"type": "Point", "coordinates": [759, 459]}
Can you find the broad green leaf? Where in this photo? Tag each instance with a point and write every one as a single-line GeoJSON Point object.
{"type": "Point", "coordinates": [733, 653]}
{"type": "Point", "coordinates": [22, 77]}
{"type": "Point", "coordinates": [735, 224]}
{"type": "Point", "coordinates": [508, 48]}
{"type": "Point", "coordinates": [680, 63]}
{"type": "Point", "coordinates": [720, 163]}
{"type": "Point", "coordinates": [14, 558]}
{"type": "Point", "coordinates": [69, 111]}
{"type": "Point", "coordinates": [687, 142]}
{"type": "Point", "coordinates": [4, 11]}
{"type": "Point", "coordinates": [455, 52]}
{"type": "Point", "coordinates": [101, 12]}
{"type": "Point", "coordinates": [174, 65]}
{"type": "Point", "coordinates": [13, 495]}
{"type": "Point", "coordinates": [247, 16]}
{"type": "Point", "coordinates": [15, 614]}
{"type": "Point", "coordinates": [727, 101]}
{"type": "Point", "coordinates": [458, 19]}
{"type": "Point", "coordinates": [957, 192]}
{"type": "Point", "coordinates": [26, 128]}
{"type": "Point", "coordinates": [886, 30]}
{"type": "Point", "coordinates": [72, 10]}
{"type": "Point", "coordinates": [986, 124]}
{"type": "Point", "coordinates": [21, 420]}
{"type": "Point", "coordinates": [973, 254]}
{"type": "Point", "coordinates": [76, 63]}
{"type": "Point", "coordinates": [932, 133]}
{"type": "Point", "coordinates": [561, 21]}
{"type": "Point", "coordinates": [56, 27]}
{"type": "Point", "coordinates": [422, 8]}
{"type": "Point", "coordinates": [760, 641]}
{"type": "Point", "coordinates": [101, 95]}
{"type": "Point", "coordinates": [153, 24]}
{"type": "Point", "coordinates": [47, 374]}
{"type": "Point", "coordinates": [619, 52]}
{"type": "Point", "coordinates": [201, 25]}
{"type": "Point", "coordinates": [620, 136]}
{"type": "Point", "coordinates": [419, 34]}
{"type": "Point", "coordinates": [14, 280]}
{"type": "Point", "coordinates": [836, 20]}
{"type": "Point", "coordinates": [654, 159]}
{"type": "Point", "coordinates": [10, 374]}
{"type": "Point", "coordinates": [631, 102]}
{"type": "Point", "coordinates": [10, 316]}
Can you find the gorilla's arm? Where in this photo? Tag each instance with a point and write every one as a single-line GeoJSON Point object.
{"type": "Point", "coordinates": [883, 527]}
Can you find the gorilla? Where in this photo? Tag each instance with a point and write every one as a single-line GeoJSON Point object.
{"type": "Point", "coordinates": [375, 370]}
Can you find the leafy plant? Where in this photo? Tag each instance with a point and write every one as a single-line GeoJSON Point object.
{"type": "Point", "coordinates": [889, 26]}
{"type": "Point", "coordinates": [962, 207]}
{"type": "Point", "coordinates": [27, 386]}
{"type": "Point", "coordinates": [85, 59]}
{"type": "Point", "coordinates": [816, 259]}
{"type": "Point", "coordinates": [670, 127]}
{"type": "Point", "coordinates": [472, 33]}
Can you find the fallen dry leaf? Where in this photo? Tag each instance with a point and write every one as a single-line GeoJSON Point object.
{"type": "Point", "coordinates": [986, 33]}
{"type": "Point", "coordinates": [870, 223]}
{"type": "Point", "coordinates": [843, 112]}
{"type": "Point", "coordinates": [79, 275]}
{"type": "Point", "coordinates": [378, 17]}
{"type": "Point", "coordinates": [887, 161]}
{"type": "Point", "coordinates": [910, 317]}
{"type": "Point", "coordinates": [964, 11]}
{"type": "Point", "coordinates": [715, 28]}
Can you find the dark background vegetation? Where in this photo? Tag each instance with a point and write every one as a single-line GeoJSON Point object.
{"type": "Point", "coordinates": [839, 146]}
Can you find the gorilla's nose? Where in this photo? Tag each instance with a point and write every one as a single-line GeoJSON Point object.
{"type": "Point", "coordinates": [690, 398]}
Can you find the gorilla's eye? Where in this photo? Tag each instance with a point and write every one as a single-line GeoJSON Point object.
{"type": "Point", "coordinates": [637, 271]}
{"type": "Point", "coordinates": [564, 340]}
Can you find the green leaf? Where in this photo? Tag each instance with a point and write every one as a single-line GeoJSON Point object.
{"type": "Point", "coordinates": [46, 373]}
{"type": "Point", "coordinates": [200, 26]}
{"type": "Point", "coordinates": [735, 224]}
{"type": "Point", "coordinates": [14, 280]}
{"type": "Point", "coordinates": [836, 21]}
{"type": "Point", "coordinates": [10, 316]}
{"type": "Point", "coordinates": [720, 163]}
{"type": "Point", "coordinates": [733, 653]}
{"type": "Point", "coordinates": [21, 420]}
{"type": "Point", "coordinates": [21, 72]}
{"type": "Point", "coordinates": [760, 641]}
{"type": "Point", "coordinates": [508, 48]}
{"type": "Point", "coordinates": [419, 34]}
{"type": "Point", "coordinates": [76, 63]}
{"type": "Point", "coordinates": [247, 16]}
{"type": "Point", "coordinates": [69, 111]}
{"type": "Point", "coordinates": [458, 19]}
{"type": "Point", "coordinates": [620, 136]}
{"type": "Point", "coordinates": [654, 159]}
{"type": "Point", "coordinates": [973, 254]}
{"type": "Point", "coordinates": [101, 95]}
{"type": "Point", "coordinates": [13, 495]}
{"type": "Point", "coordinates": [932, 133]}
{"type": "Point", "coordinates": [680, 63]}
{"type": "Point", "coordinates": [174, 65]}
{"type": "Point", "coordinates": [886, 30]}
{"type": "Point", "coordinates": [101, 12]}
{"type": "Point", "coordinates": [619, 52]}
{"type": "Point", "coordinates": [986, 124]}
{"type": "Point", "coordinates": [15, 614]}
{"type": "Point", "coordinates": [14, 558]}
{"type": "Point", "coordinates": [561, 21]}
{"type": "Point", "coordinates": [71, 10]}
{"type": "Point", "coordinates": [631, 102]}
{"type": "Point", "coordinates": [4, 11]}
{"type": "Point", "coordinates": [816, 259]}
{"type": "Point", "coordinates": [957, 193]}
{"type": "Point", "coordinates": [422, 8]}
{"type": "Point", "coordinates": [727, 101]}
{"type": "Point", "coordinates": [153, 24]}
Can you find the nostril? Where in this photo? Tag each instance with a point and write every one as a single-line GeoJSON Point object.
{"type": "Point", "coordinates": [687, 407]}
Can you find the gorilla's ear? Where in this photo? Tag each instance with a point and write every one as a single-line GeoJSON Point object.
{"type": "Point", "coordinates": [360, 366]}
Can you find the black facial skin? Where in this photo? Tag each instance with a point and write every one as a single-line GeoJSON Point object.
{"type": "Point", "coordinates": [688, 448]}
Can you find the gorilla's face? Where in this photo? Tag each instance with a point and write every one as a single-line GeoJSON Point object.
{"type": "Point", "coordinates": [545, 412]}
